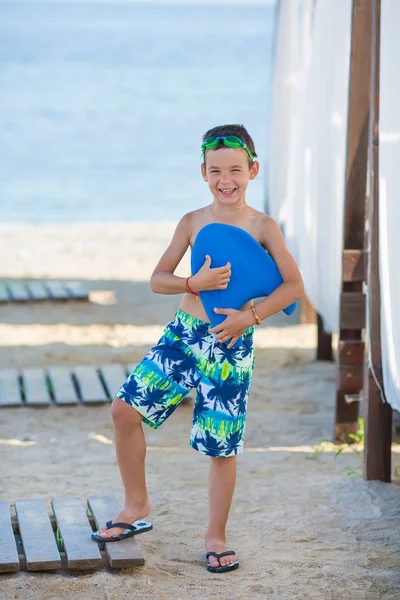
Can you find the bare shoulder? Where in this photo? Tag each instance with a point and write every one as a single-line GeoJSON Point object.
{"type": "Point", "coordinates": [269, 231]}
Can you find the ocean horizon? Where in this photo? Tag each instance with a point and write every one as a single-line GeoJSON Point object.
{"type": "Point", "coordinates": [103, 105]}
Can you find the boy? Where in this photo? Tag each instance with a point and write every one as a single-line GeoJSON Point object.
{"type": "Point", "coordinates": [180, 359]}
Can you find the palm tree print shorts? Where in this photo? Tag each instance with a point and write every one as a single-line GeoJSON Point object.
{"type": "Point", "coordinates": [189, 356]}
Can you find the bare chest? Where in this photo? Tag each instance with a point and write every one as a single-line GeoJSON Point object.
{"type": "Point", "coordinates": [250, 226]}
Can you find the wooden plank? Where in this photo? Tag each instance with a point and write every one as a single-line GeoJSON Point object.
{"type": "Point", "coordinates": [113, 377]}
{"type": "Point", "coordinates": [9, 561]}
{"type": "Point", "coordinates": [18, 291]}
{"type": "Point", "coordinates": [378, 414]}
{"type": "Point", "coordinates": [350, 378]}
{"type": "Point", "coordinates": [10, 393]}
{"type": "Point", "coordinates": [77, 290]}
{"type": "Point", "coordinates": [352, 310]}
{"type": "Point", "coordinates": [35, 387]}
{"type": "Point", "coordinates": [89, 384]}
{"type": "Point", "coordinates": [37, 290]}
{"type": "Point", "coordinates": [37, 535]}
{"type": "Point", "coordinates": [57, 290]}
{"type": "Point", "coordinates": [353, 265]}
{"type": "Point", "coordinates": [120, 554]}
{"type": "Point", "coordinates": [64, 391]}
{"type": "Point", "coordinates": [81, 551]}
{"type": "Point", "coordinates": [324, 345]}
{"type": "Point", "coordinates": [351, 352]}
{"type": "Point", "coordinates": [357, 142]}
{"type": "Point", "coordinates": [4, 297]}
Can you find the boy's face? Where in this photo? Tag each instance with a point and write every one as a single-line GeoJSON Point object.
{"type": "Point", "coordinates": [228, 173]}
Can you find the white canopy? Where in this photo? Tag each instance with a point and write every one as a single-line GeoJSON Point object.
{"type": "Point", "coordinates": [308, 142]}
{"type": "Point", "coordinates": [308, 157]}
{"type": "Point", "coordinates": [389, 200]}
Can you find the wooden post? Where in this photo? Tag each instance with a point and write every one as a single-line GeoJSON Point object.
{"type": "Point", "coordinates": [324, 342]}
{"type": "Point", "coordinates": [352, 302]}
{"type": "Point", "coordinates": [378, 414]}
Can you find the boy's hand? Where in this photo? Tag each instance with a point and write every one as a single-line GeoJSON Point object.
{"type": "Point", "coordinates": [234, 326]}
{"type": "Point", "coordinates": [211, 279]}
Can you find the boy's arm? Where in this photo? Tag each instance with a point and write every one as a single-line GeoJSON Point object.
{"type": "Point", "coordinates": [288, 292]}
{"type": "Point", "coordinates": [163, 280]}
{"type": "Point", "coordinates": [292, 288]}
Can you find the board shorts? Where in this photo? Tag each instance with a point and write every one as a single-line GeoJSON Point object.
{"type": "Point", "coordinates": [188, 356]}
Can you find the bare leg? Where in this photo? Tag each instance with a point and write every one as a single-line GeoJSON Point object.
{"type": "Point", "coordinates": [221, 485]}
{"type": "Point", "coordinates": [130, 447]}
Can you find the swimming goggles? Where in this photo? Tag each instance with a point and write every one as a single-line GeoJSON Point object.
{"type": "Point", "coordinates": [231, 141]}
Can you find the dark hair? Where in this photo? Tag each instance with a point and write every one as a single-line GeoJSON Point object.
{"type": "Point", "coordinates": [239, 130]}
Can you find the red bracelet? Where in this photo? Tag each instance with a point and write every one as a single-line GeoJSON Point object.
{"type": "Point", "coordinates": [189, 291]}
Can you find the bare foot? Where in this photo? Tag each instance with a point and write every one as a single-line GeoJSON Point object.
{"type": "Point", "coordinates": [129, 514]}
{"type": "Point", "coordinates": [218, 546]}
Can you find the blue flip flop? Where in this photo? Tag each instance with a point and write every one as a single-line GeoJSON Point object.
{"type": "Point", "coordinates": [130, 529]}
{"type": "Point", "coordinates": [222, 569]}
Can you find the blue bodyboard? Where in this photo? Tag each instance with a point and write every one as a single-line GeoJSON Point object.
{"type": "Point", "coordinates": [254, 272]}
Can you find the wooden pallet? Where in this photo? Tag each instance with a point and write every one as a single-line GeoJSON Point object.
{"type": "Point", "coordinates": [61, 385]}
{"type": "Point", "coordinates": [34, 540]}
{"type": "Point", "coordinates": [28, 291]}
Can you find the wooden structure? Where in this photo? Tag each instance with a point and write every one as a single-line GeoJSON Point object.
{"type": "Point", "coordinates": [33, 291]}
{"type": "Point", "coordinates": [352, 299]}
{"type": "Point", "coordinates": [378, 414]}
{"type": "Point", "coordinates": [359, 369]}
{"type": "Point", "coordinates": [61, 385]}
{"type": "Point", "coordinates": [34, 540]}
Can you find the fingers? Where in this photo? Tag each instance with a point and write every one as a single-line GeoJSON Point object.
{"type": "Point", "coordinates": [224, 311]}
{"type": "Point", "coordinates": [217, 329]}
{"type": "Point", "coordinates": [233, 342]}
{"type": "Point", "coordinates": [222, 270]}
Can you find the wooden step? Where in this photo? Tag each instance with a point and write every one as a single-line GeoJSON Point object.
{"type": "Point", "coordinates": [57, 290]}
{"type": "Point", "coordinates": [120, 554]}
{"type": "Point", "coordinates": [10, 389]}
{"type": "Point", "coordinates": [89, 384]}
{"type": "Point", "coordinates": [35, 387]}
{"type": "Point", "coordinates": [81, 551]}
{"type": "Point", "coordinates": [39, 540]}
{"type": "Point", "coordinates": [4, 296]}
{"type": "Point", "coordinates": [62, 385]}
{"type": "Point", "coordinates": [9, 560]}
{"type": "Point", "coordinates": [113, 377]}
{"type": "Point", "coordinates": [38, 291]}
{"type": "Point", "coordinates": [19, 293]}
{"type": "Point", "coordinates": [33, 291]}
{"type": "Point", "coordinates": [77, 290]}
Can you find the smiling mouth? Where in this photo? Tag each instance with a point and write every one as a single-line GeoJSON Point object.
{"type": "Point", "coordinates": [227, 191]}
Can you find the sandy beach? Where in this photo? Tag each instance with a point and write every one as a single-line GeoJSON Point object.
{"type": "Point", "coordinates": [302, 528]}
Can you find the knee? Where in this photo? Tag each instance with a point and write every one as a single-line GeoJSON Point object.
{"type": "Point", "coordinates": [124, 415]}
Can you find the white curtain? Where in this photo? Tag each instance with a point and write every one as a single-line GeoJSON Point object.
{"type": "Point", "coordinates": [306, 178]}
{"type": "Point", "coordinates": [389, 200]}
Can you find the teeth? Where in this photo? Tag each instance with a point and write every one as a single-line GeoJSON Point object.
{"type": "Point", "coordinates": [228, 191]}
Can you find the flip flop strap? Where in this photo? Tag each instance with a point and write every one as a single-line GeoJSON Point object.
{"type": "Point", "coordinates": [218, 556]}
{"type": "Point", "coordinates": [124, 525]}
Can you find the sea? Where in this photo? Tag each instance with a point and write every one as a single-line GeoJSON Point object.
{"type": "Point", "coordinates": [103, 104]}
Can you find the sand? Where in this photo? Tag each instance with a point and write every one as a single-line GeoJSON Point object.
{"type": "Point", "coordinates": [303, 529]}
